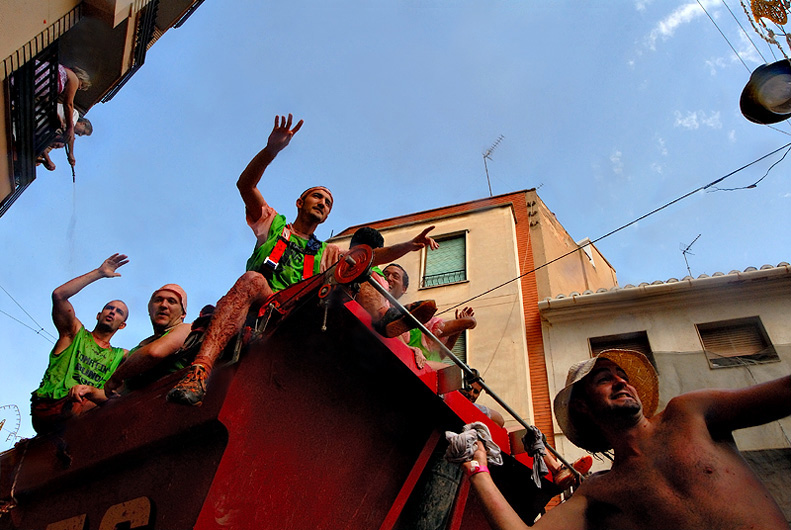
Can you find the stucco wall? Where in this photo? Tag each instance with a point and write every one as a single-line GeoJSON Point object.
{"type": "Point", "coordinates": [22, 20]}
{"type": "Point", "coordinates": [575, 272]}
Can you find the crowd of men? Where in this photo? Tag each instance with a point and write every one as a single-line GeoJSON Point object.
{"type": "Point", "coordinates": [677, 468]}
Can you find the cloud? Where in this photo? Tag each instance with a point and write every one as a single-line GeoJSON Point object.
{"type": "Point", "coordinates": [732, 136]}
{"type": "Point", "coordinates": [666, 27]}
{"type": "Point", "coordinates": [617, 163]}
{"type": "Point", "coordinates": [640, 5]}
{"type": "Point", "coordinates": [715, 64]}
{"type": "Point", "coordinates": [656, 167]}
{"type": "Point", "coordinates": [661, 146]}
{"type": "Point", "coordinates": [697, 119]}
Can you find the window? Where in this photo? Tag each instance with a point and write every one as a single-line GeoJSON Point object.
{"type": "Point", "coordinates": [736, 342]}
{"type": "Point", "coordinates": [459, 349]}
{"type": "Point", "coordinates": [447, 264]}
{"type": "Point", "coordinates": [637, 341]}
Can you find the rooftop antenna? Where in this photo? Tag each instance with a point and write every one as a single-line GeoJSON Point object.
{"type": "Point", "coordinates": [686, 251]}
{"type": "Point", "coordinates": [487, 155]}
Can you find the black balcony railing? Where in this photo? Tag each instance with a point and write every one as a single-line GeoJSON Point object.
{"type": "Point", "coordinates": [145, 32]}
{"type": "Point", "coordinates": [33, 90]}
{"type": "Point", "coordinates": [433, 280]}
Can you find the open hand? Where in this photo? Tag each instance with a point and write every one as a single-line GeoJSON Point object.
{"type": "Point", "coordinates": [281, 134]}
{"type": "Point", "coordinates": [111, 264]}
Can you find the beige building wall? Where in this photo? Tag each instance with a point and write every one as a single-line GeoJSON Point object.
{"type": "Point", "coordinates": [668, 313]}
{"type": "Point", "coordinates": [22, 20]}
{"type": "Point", "coordinates": [497, 346]}
{"type": "Point", "coordinates": [582, 270]}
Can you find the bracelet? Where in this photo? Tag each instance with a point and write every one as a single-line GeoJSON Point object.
{"type": "Point", "coordinates": [475, 468]}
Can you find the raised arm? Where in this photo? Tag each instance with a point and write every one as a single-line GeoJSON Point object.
{"type": "Point", "coordinates": [148, 356]}
{"type": "Point", "coordinates": [452, 329]}
{"type": "Point", "coordinates": [63, 316]}
{"type": "Point", "coordinates": [390, 254]}
{"type": "Point", "coordinates": [248, 181]}
{"type": "Point", "coordinates": [501, 516]}
{"type": "Point", "coordinates": [69, 91]}
{"type": "Point", "coordinates": [727, 410]}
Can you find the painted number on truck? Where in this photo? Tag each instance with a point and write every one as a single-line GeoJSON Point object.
{"type": "Point", "coordinates": [135, 513]}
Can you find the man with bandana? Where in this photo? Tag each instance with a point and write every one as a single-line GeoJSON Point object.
{"type": "Point", "coordinates": [284, 254]}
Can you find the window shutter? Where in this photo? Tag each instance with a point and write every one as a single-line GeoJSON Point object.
{"type": "Point", "coordinates": [447, 263]}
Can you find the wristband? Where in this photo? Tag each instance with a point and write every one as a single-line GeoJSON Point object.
{"type": "Point", "coordinates": [475, 468]}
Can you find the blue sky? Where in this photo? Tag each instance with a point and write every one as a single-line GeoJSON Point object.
{"type": "Point", "coordinates": [612, 109]}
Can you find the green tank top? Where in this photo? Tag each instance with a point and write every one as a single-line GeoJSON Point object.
{"type": "Point", "coordinates": [83, 362]}
{"type": "Point", "coordinates": [416, 341]}
{"type": "Point", "coordinates": [291, 263]}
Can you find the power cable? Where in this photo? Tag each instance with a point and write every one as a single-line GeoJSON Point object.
{"type": "Point", "coordinates": [40, 327]}
{"type": "Point", "coordinates": [723, 36]}
{"type": "Point", "coordinates": [37, 331]}
{"type": "Point", "coordinates": [754, 184]}
{"type": "Point", "coordinates": [608, 234]}
{"type": "Point", "coordinates": [745, 32]}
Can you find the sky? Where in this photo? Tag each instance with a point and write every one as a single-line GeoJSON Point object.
{"type": "Point", "coordinates": [610, 110]}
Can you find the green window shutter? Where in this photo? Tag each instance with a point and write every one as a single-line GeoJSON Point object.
{"type": "Point", "coordinates": [460, 348]}
{"type": "Point", "coordinates": [447, 264]}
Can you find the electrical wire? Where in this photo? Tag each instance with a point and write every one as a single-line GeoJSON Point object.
{"type": "Point", "coordinates": [622, 227]}
{"type": "Point", "coordinates": [754, 184]}
{"type": "Point", "coordinates": [40, 327]}
{"type": "Point", "coordinates": [723, 36]}
{"type": "Point", "coordinates": [745, 33]}
{"type": "Point", "coordinates": [37, 331]}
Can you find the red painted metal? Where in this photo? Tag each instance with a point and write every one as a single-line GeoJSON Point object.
{"type": "Point", "coordinates": [409, 484]}
{"type": "Point", "coordinates": [309, 429]}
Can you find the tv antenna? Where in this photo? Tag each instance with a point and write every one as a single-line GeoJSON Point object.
{"type": "Point", "coordinates": [487, 155]}
{"type": "Point", "coordinates": [686, 251]}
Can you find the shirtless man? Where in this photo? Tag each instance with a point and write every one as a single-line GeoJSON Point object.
{"type": "Point", "coordinates": [79, 357]}
{"type": "Point", "coordinates": [677, 469]}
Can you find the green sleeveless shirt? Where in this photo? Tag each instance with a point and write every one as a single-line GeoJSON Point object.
{"type": "Point", "coordinates": [290, 265]}
{"type": "Point", "coordinates": [83, 362]}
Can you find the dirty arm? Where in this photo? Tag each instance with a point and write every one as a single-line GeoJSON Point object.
{"type": "Point", "coordinates": [248, 181]}
{"type": "Point", "coordinates": [148, 356]}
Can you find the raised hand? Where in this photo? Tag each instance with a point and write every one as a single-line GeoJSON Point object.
{"type": "Point", "coordinates": [465, 313]}
{"type": "Point", "coordinates": [107, 269]}
{"type": "Point", "coordinates": [423, 240]}
{"type": "Point", "coordinates": [281, 134]}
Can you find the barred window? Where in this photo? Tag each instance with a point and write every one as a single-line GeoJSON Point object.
{"type": "Point", "coordinates": [736, 342]}
{"type": "Point", "coordinates": [448, 263]}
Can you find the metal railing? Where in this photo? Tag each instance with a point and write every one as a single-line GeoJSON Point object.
{"type": "Point", "coordinates": [433, 280]}
{"type": "Point", "coordinates": [146, 25]}
{"type": "Point", "coordinates": [40, 42]}
{"type": "Point", "coordinates": [33, 100]}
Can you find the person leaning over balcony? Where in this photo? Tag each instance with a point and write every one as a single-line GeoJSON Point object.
{"type": "Point", "coordinates": [676, 469]}
{"type": "Point", "coordinates": [285, 253]}
{"type": "Point", "coordinates": [79, 357]}
{"type": "Point", "coordinates": [70, 80]}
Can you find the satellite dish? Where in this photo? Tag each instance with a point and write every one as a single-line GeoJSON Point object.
{"type": "Point", "coordinates": [767, 97]}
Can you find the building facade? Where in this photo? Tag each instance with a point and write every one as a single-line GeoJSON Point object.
{"type": "Point", "coordinates": [488, 256]}
{"type": "Point", "coordinates": [108, 39]}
